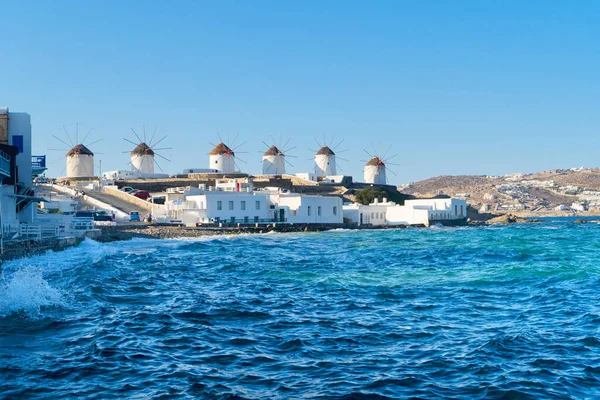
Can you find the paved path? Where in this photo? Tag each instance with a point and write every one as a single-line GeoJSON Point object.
{"type": "Point", "coordinates": [116, 202]}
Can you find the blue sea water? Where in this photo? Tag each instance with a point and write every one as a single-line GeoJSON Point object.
{"type": "Point", "coordinates": [487, 312]}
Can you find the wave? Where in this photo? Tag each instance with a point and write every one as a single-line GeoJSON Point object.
{"type": "Point", "coordinates": [26, 291]}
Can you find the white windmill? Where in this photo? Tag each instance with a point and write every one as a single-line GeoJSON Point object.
{"type": "Point", "coordinates": [274, 159]}
{"type": "Point", "coordinates": [143, 156]}
{"type": "Point", "coordinates": [374, 171]}
{"type": "Point", "coordinates": [325, 158]}
{"type": "Point", "coordinates": [80, 159]}
{"type": "Point", "coordinates": [222, 158]}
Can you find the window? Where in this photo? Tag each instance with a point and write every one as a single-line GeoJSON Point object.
{"type": "Point", "coordinates": [372, 215]}
{"type": "Point", "coordinates": [219, 205]}
{"type": "Point", "coordinates": [309, 211]}
{"type": "Point", "coordinates": [246, 219]}
{"type": "Point", "coordinates": [231, 204]}
{"type": "Point", "coordinates": [257, 204]}
{"type": "Point", "coordinates": [461, 211]}
{"type": "Point", "coordinates": [455, 210]}
{"type": "Point", "coordinates": [255, 219]}
{"type": "Point", "coordinates": [243, 205]}
{"type": "Point", "coordinates": [232, 220]}
{"type": "Point", "coordinates": [17, 141]}
{"type": "Point", "coordinates": [319, 211]}
{"type": "Point", "coordinates": [334, 210]}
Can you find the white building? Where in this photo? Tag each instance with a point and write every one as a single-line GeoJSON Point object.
{"type": "Point", "coordinates": [413, 212]}
{"type": "Point", "coordinates": [273, 162]}
{"type": "Point", "coordinates": [222, 159]}
{"type": "Point", "coordinates": [18, 204]}
{"type": "Point", "coordinates": [80, 162]}
{"type": "Point", "coordinates": [15, 168]}
{"type": "Point", "coordinates": [374, 171]}
{"type": "Point", "coordinates": [234, 201]}
{"type": "Point", "coordinates": [325, 162]}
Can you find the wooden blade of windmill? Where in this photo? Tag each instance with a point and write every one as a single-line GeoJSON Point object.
{"type": "Point", "coordinates": [339, 144]}
{"type": "Point", "coordinates": [93, 143]}
{"type": "Point", "coordinates": [285, 145]}
{"type": "Point", "coordinates": [136, 135]}
{"type": "Point", "coordinates": [163, 148]}
{"type": "Point", "coordinates": [144, 128]}
{"type": "Point", "coordinates": [343, 159]}
{"type": "Point", "coordinates": [318, 144]}
{"type": "Point", "coordinates": [69, 136]}
{"type": "Point", "coordinates": [86, 135]}
{"type": "Point", "coordinates": [238, 146]}
{"type": "Point", "coordinates": [165, 158]}
{"type": "Point", "coordinates": [58, 159]}
{"type": "Point", "coordinates": [239, 159]}
{"type": "Point", "coordinates": [164, 137]}
{"type": "Point", "coordinates": [62, 141]}
{"type": "Point", "coordinates": [127, 140]}
{"type": "Point", "coordinates": [292, 165]}
{"type": "Point", "coordinates": [158, 165]}
{"type": "Point", "coordinates": [152, 137]}
{"type": "Point", "coordinates": [386, 152]}
{"type": "Point", "coordinates": [234, 139]}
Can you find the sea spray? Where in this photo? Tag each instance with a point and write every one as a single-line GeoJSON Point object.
{"type": "Point", "coordinates": [26, 291]}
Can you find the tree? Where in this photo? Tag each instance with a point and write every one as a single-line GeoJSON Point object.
{"type": "Point", "coordinates": [367, 196]}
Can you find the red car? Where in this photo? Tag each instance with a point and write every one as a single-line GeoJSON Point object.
{"type": "Point", "coordinates": [141, 194]}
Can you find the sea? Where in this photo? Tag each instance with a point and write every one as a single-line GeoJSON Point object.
{"type": "Point", "coordinates": [500, 311]}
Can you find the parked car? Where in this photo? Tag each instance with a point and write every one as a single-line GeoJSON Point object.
{"type": "Point", "coordinates": [127, 189]}
{"type": "Point", "coordinates": [134, 216]}
{"type": "Point", "coordinates": [141, 194]}
{"type": "Point", "coordinates": [102, 216]}
{"type": "Point", "coordinates": [83, 214]}
{"type": "Point", "coordinates": [157, 199]}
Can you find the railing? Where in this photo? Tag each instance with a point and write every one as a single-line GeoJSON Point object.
{"type": "Point", "coordinates": [82, 223]}
{"type": "Point", "coordinates": [4, 163]}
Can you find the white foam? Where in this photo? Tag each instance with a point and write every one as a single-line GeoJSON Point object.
{"type": "Point", "coordinates": [27, 291]}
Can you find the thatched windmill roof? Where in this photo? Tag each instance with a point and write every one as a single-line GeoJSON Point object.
{"type": "Point", "coordinates": [221, 149]}
{"type": "Point", "coordinates": [375, 162]}
{"type": "Point", "coordinates": [325, 151]}
{"type": "Point", "coordinates": [142, 149]}
{"type": "Point", "coordinates": [273, 151]}
{"type": "Point", "coordinates": [79, 150]}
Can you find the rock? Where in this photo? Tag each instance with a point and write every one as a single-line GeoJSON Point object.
{"type": "Point", "coordinates": [509, 219]}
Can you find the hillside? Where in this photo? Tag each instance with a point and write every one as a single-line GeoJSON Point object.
{"type": "Point", "coordinates": [542, 193]}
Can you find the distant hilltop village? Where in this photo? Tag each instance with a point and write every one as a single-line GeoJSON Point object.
{"type": "Point", "coordinates": [559, 191]}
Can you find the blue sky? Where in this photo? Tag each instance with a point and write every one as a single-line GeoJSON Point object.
{"type": "Point", "coordinates": [456, 87]}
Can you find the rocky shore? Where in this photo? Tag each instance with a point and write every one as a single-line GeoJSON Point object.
{"type": "Point", "coordinates": [127, 232]}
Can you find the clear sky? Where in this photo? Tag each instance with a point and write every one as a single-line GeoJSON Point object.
{"type": "Point", "coordinates": [456, 87]}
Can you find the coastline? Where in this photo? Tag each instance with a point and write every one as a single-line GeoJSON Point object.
{"type": "Point", "coordinates": [128, 232]}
